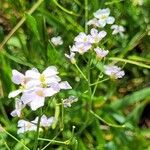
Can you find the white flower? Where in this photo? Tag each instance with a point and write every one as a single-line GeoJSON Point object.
{"type": "Point", "coordinates": [82, 38]}
{"type": "Point", "coordinates": [57, 40]}
{"type": "Point", "coordinates": [117, 29]}
{"type": "Point", "coordinates": [36, 98]}
{"type": "Point", "coordinates": [96, 36]}
{"type": "Point", "coordinates": [103, 17]}
{"type": "Point", "coordinates": [18, 108]}
{"type": "Point", "coordinates": [101, 52]}
{"type": "Point", "coordinates": [45, 121]}
{"type": "Point", "coordinates": [25, 126]}
{"type": "Point", "coordinates": [71, 57]}
{"type": "Point", "coordinates": [93, 22]}
{"type": "Point", "coordinates": [71, 99]}
{"type": "Point", "coordinates": [80, 48]}
{"type": "Point", "coordinates": [48, 76]}
{"type": "Point", "coordinates": [114, 71]}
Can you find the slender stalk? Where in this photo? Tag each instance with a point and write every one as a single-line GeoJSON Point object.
{"type": "Point", "coordinates": [104, 121]}
{"type": "Point", "coordinates": [53, 141]}
{"type": "Point", "coordinates": [64, 9]}
{"type": "Point", "coordinates": [35, 6]}
{"type": "Point", "coordinates": [81, 72]}
{"type": "Point", "coordinates": [62, 116]}
{"type": "Point", "coordinates": [130, 62]}
{"type": "Point", "coordinates": [86, 15]}
{"type": "Point", "coordinates": [14, 138]}
{"type": "Point", "coordinates": [97, 82]}
{"type": "Point", "coordinates": [50, 141]}
{"type": "Point", "coordinates": [38, 129]}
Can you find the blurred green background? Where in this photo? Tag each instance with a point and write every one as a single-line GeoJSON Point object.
{"type": "Point", "coordinates": [124, 101]}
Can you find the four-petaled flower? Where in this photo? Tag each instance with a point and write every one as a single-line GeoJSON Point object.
{"type": "Point", "coordinates": [103, 17]}
{"type": "Point", "coordinates": [117, 29]}
{"type": "Point", "coordinates": [96, 36]}
{"type": "Point", "coordinates": [114, 71]}
{"type": "Point", "coordinates": [57, 40]}
{"type": "Point", "coordinates": [101, 53]}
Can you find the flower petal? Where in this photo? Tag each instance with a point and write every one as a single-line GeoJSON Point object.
{"type": "Point", "coordinates": [50, 71]}
{"type": "Point", "coordinates": [17, 77]}
{"type": "Point", "coordinates": [14, 93]}
{"type": "Point", "coordinates": [64, 85]}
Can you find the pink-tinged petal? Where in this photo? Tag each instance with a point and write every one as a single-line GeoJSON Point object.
{"type": "Point", "coordinates": [65, 85]}
{"type": "Point", "coordinates": [33, 83]}
{"type": "Point", "coordinates": [28, 97]}
{"type": "Point", "coordinates": [16, 112]}
{"type": "Point", "coordinates": [37, 103]}
{"type": "Point", "coordinates": [53, 79]}
{"type": "Point", "coordinates": [32, 74]}
{"type": "Point", "coordinates": [51, 91]}
{"type": "Point", "coordinates": [102, 34]}
{"type": "Point", "coordinates": [17, 77]}
{"type": "Point", "coordinates": [14, 93]}
{"type": "Point", "coordinates": [50, 71]}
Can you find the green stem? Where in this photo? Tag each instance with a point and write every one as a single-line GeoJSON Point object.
{"type": "Point", "coordinates": [53, 141]}
{"type": "Point", "coordinates": [130, 62]}
{"type": "Point", "coordinates": [20, 23]}
{"type": "Point", "coordinates": [38, 129]}
{"type": "Point", "coordinates": [97, 82]}
{"type": "Point", "coordinates": [14, 138]}
{"type": "Point", "coordinates": [64, 9]}
{"type": "Point", "coordinates": [86, 15]}
{"type": "Point", "coordinates": [81, 72]}
{"type": "Point", "coordinates": [104, 121]}
{"type": "Point", "coordinates": [50, 141]}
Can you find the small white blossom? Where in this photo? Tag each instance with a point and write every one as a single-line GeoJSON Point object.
{"type": "Point", "coordinates": [96, 36]}
{"type": "Point", "coordinates": [57, 40]}
{"type": "Point", "coordinates": [18, 108]}
{"type": "Point", "coordinates": [117, 29]}
{"type": "Point", "coordinates": [36, 98]}
{"type": "Point", "coordinates": [93, 22]}
{"type": "Point", "coordinates": [103, 17]}
{"type": "Point", "coordinates": [25, 126]}
{"type": "Point", "coordinates": [101, 53]}
{"type": "Point", "coordinates": [71, 57]}
{"type": "Point", "coordinates": [80, 48]}
{"type": "Point", "coordinates": [114, 71]}
{"type": "Point", "coordinates": [71, 99]}
{"type": "Point", "coordinates": [45, 121]}
{"type": "Point", "coordinates": [47, 77]}
{"type": "Point", "coordinates": [82, 38]}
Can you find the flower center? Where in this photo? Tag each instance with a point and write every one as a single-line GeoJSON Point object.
{"type": "Point", "coordinates": [42, 78]}
{"type": "Point", "coordinates": [103, 17]}
{"type": "Point", "coordinates": [40, 93]}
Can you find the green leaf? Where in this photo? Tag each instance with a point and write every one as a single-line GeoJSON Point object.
{"type": "Point", "coordinates": [131, 99]}
{"type": "Point", "coordinates": [32, 25]}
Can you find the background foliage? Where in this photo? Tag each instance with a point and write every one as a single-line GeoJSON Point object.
{"type": "Point", "coordinates": [120, 102]}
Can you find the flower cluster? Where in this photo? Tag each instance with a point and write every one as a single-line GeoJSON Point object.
{"type": "Point", "coordinates": [102, 17]}
{"type": "Point", "coordinates": [85, 42]}
{"type": "Point", "coordinates": [34, 88]}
